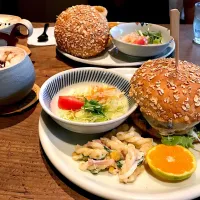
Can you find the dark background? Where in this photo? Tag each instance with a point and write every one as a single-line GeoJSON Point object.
{"type": "Point", "coordinates": [154, 11]}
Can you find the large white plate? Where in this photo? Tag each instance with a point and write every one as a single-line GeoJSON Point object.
{"type": "Point", "coordinates": [113, 58]}
{"type": "Point", "coordinates": [59, 143]}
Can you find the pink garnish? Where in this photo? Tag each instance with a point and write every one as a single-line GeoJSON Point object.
{"type": "Point", "coordinates": [107, 162]}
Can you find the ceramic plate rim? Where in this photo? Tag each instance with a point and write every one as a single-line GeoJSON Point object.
{"type": "Point", "coordinates": [90, 62]}
{"type": "Point", "coordinates": [102, 191]}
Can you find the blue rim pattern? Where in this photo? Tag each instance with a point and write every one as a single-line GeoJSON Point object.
{"type": "Point", "coordinates": [89, 75]}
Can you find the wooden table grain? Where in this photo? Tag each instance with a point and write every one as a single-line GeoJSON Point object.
{"type": "Point", "coordinates": [25, 171]}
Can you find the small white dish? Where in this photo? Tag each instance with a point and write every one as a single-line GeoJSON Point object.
{"type": "Point", "coordinates": [59, 144]}
{"type": "Point", "coordinates": [111, 57]}
{"type": "Point", "coordinates": [123, 29]}
{"type": "Point", "coordinates": [33, 39]}
{"type": "Point", "coordinates": [85, 75]}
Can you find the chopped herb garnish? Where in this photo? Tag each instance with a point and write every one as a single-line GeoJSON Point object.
{"type": "Point", "coordinates": [140, 161]}
{"type": "Point", "coordinates": [119, 164]}
{"type": "Point", "coordinates": [94, 171]}
{"type": "Point", "coordinates": [93, 106]}
{"type": "Point", "coordinates": [102, 158]}
{"type": "Point", "coordinates": [107, 149]}
{"type": "Point", "coordinates": [85, 158]}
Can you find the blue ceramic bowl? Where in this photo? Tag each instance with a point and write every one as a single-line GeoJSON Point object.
{"type": "Point", "coordinates": [17, 80]}
{"type": "Point", "coordinates": [66, 78]}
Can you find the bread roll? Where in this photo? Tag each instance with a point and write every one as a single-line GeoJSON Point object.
{"type": "Point", "coordinates": [81, 31]}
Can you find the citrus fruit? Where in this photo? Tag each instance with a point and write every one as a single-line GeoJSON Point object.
{"type": "Point", "coordinates": [173, 163]}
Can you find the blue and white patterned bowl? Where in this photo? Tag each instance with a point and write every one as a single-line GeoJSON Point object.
{"type": "Point", "coordinates": [66, 78]}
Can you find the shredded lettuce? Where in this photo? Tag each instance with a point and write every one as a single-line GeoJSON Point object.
{"type": "Point", "coordinates": [112, 103]}
{"type": "Point", "coordinates": [183, 140]}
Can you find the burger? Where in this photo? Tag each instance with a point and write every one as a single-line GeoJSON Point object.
{"type": "Point", "coordinates": [168, 97]}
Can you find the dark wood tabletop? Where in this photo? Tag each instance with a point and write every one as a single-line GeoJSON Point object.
{"type": "Point", "coordinates": [25, 171]}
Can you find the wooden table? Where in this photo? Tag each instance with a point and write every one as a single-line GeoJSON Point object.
{"type": "Point", "coordinates": [25, 171]}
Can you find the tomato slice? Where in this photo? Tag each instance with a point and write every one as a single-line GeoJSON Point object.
{"type": "Point", "coordinates": [69, 103]}
{"type": "Point", "coordinates": [141, 41]}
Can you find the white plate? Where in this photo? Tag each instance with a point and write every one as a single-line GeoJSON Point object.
{"type": "Point", "coordinates": [113, 58]}
{"type": "Point", "coordinates": [58, 144]}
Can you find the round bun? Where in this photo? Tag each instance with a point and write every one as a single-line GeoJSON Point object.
{"type": "Point", "coordinates": [102, 10]}
{"type": "Point", "coordinates": [81, 31]}
{"type": "Point", "coordinates": [169, 97]}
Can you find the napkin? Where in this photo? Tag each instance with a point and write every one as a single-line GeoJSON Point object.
{"type": "Point", "coordinates": [32, 40]}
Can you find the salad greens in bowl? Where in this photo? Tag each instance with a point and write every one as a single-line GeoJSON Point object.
{"type": "Point", "coordinates": [87, 100]}
{"type": "Point", "coordinates": [141, 39]}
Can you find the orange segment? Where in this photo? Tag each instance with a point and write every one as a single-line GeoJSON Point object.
{"type": "Point", "coordinates": [171, 162]}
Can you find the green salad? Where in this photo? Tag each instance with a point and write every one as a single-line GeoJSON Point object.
{"type": "Point", "coordinates": [97, 104]}
{"type": "Point", "coordinates": [153, 37]}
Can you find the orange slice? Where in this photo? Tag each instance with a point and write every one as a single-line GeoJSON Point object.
{"type": "Point", "coordinates": [173, 163]}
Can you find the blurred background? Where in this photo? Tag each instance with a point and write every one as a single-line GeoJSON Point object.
{"type": "Point", "coordinates": [154, 11]}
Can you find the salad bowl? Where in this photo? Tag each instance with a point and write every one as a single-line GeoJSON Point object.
{"type": "Point", "coordinates": [159, 36]}
{"type": "Point", "coordinates": [68, 78]}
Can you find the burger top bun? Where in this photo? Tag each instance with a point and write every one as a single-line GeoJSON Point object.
{"type": "Point", "coordinates": [169, 97]}
{"type": "Point", "coordinates": [81, 31]}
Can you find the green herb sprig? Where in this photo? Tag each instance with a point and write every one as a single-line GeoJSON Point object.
{"type": "Point", "coordinates": [140, 161]}
{"type": "Point", "coordinates": [154, 37]}
{"type": "Point", "coordinates": [94, 107]}
{"type": "Point", "coordinates": [107, 149]}
{"type": "Point", "coordinates": [119, 164]}
{"type": "Point", "coordinates": [185, 141]}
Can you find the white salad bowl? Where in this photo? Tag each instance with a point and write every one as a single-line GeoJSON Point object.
{"type": "Point", "coordinates": [148, 50]}
{"type": "Point", "coordinates": [83, 75]}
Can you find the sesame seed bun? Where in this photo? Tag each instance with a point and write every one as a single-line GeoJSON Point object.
{"type": "Point", "coordinates": [169, 97]}
{"type": "Point", "coordinates": [81, 31]}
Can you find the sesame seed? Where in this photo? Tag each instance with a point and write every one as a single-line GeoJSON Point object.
{"type": "Point", "coordinates": [197, 104]}
{"type": "Point", "coordinates": [175, 116]}
{"type": "Point", "coordinates": [184, 107]}
{"type": "Point", "coordinates": [160, 91]}
{"type": "Point", "coordinates": [196, 98]}
{"type": "Point", "coordinates": [176, 97]}
{"type": "Point", "coordinates": [166, 100]}
{"type": "Point", "coordinates": [187, 105]}
{"type": "Point", "coordinates": [186, 118]}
